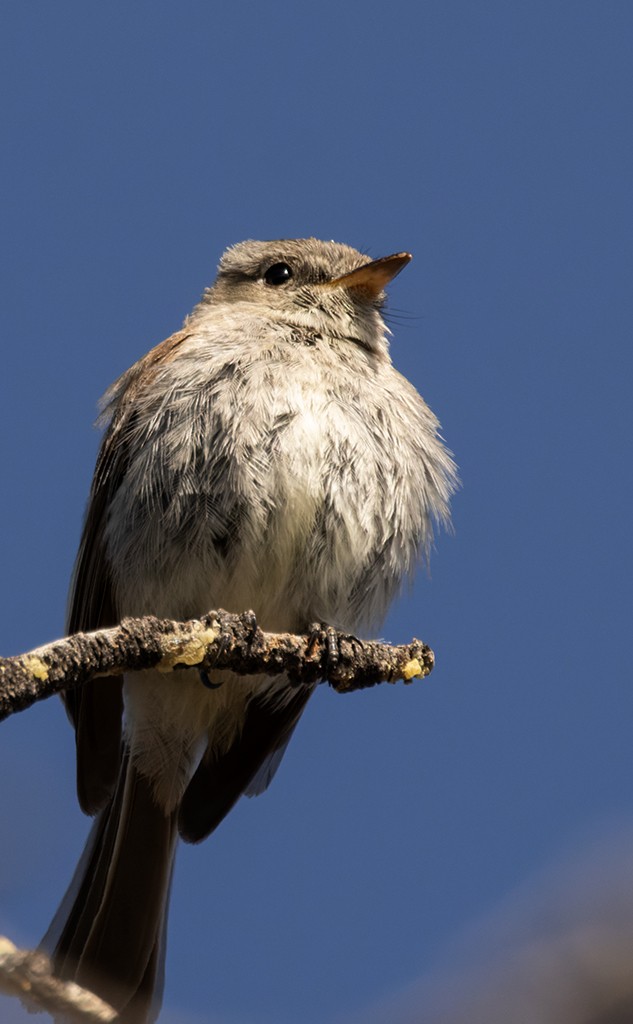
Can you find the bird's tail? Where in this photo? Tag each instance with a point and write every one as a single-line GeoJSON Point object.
{"type": "Point", "coordinates": [108, 935]}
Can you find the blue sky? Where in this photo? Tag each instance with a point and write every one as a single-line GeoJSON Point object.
{"type": "Point", "coordinates": [493, 141]}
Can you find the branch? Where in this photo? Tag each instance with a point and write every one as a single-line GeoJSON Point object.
{"type": "Point", "coordinates": [27, 974]}
{"type": "Point", "coordinates": [219, 640]}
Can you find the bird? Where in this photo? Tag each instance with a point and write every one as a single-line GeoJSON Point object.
{"type": "Point", "coordinates": [267, 456]}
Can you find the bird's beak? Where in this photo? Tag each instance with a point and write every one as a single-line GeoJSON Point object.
{"type": "Point", "coordinates": [373, 277]}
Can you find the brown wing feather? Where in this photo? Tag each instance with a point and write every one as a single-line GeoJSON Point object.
{"type": "Point", "coordinates": [96, 708]}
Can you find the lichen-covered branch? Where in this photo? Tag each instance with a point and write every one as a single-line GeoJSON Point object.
{"type": "Point", "coordinates": [27, 974]}
{"type": "Point", "coordinates": [219, 640]}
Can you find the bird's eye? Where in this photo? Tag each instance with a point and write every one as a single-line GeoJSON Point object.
{"type": "Point", "coordinates": [279, 273]}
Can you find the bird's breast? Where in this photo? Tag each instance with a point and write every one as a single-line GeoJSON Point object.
{"type": "Point", "coordinates": [259, 485]}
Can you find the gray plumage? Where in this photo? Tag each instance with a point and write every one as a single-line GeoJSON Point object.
{"type": "Point", "coordinates": [268, 456]}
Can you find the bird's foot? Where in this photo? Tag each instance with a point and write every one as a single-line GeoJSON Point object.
{"type": "Point", "coordinates": [319, 633]}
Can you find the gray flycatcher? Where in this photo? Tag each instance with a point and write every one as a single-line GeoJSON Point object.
{"type": "Point", "coordinates": [268, 456]}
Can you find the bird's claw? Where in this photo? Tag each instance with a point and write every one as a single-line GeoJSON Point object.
{"type": "Point", "coordinates": [320, 633]}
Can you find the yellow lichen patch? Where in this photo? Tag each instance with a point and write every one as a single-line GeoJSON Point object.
{"type": "Point", "coordinates": [189, 651]}
{"type": "Point", "coordinates": [413, 670]}
{"type": "Point", "coordinates": [36, 667]}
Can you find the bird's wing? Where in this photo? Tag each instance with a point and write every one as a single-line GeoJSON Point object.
{"type": "Point", "coordinates": [246, 766]}
{"type": "Point", "coordinates": [95, 708]}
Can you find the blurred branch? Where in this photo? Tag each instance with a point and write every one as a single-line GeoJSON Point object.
{"type": "Point", "coordinates": [219, 640]}
{"type": "Point", "coordinates": [27, 974]}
